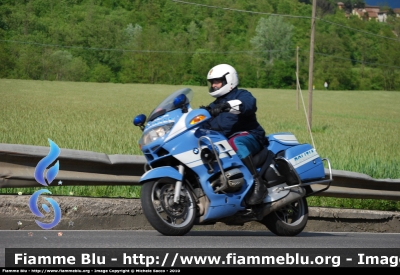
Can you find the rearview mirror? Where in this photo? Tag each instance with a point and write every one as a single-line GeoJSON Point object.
{"type": "Point", "coordinates": [139, 121]}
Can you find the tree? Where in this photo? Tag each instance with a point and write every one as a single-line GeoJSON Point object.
{"type": "Point", "coordinates": [101, 73]}
{"type": "Point", "coordinates": [390, 57]}
{"type": "Point", "coordinates": [132, 38]}
{"type": "Point", "coordinates": [391, 12]}
{"type": "Point", "coordinates": [349, 5]}
{"type": "Point", "coordinates": [60, 61]}
{"type": "Point", "coordinates": [193, 31]}
{"type": "Point", "coordinates": [323, 6]}
{"type": "Point", "coordinates": [5, 61]}
{"type": "Point", "coordinates": [273, 41]}
{"type": "Point", "coordinates": [77, 70]}
{"type": "Point", "coordinates": [394, 23]}
{"type": "Point", "coordinates": [202, 63]}
{"type": "Point", "coordinates": [326, 7]}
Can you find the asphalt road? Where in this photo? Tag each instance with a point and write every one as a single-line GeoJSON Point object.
{"type": "Point", "coordinates": [321, 242]}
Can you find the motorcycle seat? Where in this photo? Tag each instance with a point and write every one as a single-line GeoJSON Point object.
{"type": "Point", "coordinates": [259, 158]}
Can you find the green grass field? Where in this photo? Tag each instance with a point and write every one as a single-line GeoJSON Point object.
{"type": "Point", "coordinates": [357, 130]}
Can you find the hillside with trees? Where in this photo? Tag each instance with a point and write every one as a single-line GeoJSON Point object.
{"type": "Point", "coordinates": [177, 42]}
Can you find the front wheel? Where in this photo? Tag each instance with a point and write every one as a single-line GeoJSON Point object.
{"type": "Point", "coordinates": [167, 217]}
{"type": "Point", "coordinates": [289, 220]}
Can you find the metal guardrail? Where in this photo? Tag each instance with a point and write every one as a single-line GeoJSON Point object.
{"type": "Point", "coordinates": [18, 163]}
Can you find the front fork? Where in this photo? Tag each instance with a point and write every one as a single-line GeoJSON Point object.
{"type": "Point", "coordinates": [178, 185]}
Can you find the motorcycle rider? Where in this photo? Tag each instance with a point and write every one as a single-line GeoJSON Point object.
{"type": "Point", "coordinates": [234, 115]}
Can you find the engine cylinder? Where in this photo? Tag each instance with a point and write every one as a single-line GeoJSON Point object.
{"type": "Point", "coordinates": [234, 181]}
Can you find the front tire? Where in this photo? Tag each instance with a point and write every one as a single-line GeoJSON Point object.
{"type": "Point", "coordinates": [289, 220]}
{"type": "Point", "coordinates": [163, 214]}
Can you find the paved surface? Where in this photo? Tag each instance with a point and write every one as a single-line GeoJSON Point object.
{"type": "Point", "coordinates": [80, 213]}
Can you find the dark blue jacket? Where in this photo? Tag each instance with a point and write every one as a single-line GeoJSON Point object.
{"type": "Point", "coordinates": [228, 123]}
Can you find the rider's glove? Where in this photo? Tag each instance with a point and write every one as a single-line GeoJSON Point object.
{"type": "Point", "coordinates": [205, 107]}
{"type": "Point", "coordinates": [219, 108]}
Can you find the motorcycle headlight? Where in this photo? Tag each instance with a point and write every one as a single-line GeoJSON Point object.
{"type": "Point", "coordinates": [155, 133]}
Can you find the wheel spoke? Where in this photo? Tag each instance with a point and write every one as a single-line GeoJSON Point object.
{"type": "Point", "coordinates": [158, 207]}
{"type": "Point", "coordinates": [285, 217]}
{"type": "Point", "coordinates": [172, 213]}
{"type": "Point", "coordinates": [290, 213]}
{"type": "Point", "coordinates": [174, 221]}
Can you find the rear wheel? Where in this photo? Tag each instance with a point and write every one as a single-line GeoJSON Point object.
{"type": "Point", "coordinates": [289, 220]}
{"type": "Point", "coordinates": [167, 217]}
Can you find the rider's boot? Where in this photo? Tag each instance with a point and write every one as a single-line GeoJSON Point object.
{"type": "Point", "coordinates": [260, 191]}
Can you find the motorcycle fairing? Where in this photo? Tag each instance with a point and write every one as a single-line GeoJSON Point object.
{"type": "Point", "coordinates": [194, 113]}
{"type": "Point", "coordinates": [150, 150]}
{"type": "Point", "coordinates": [228, 158]}
{"type": "Point", "coordinates": [179, 127]}
{"type": "Point", "coordinates": [183, 123]}
{"type": "Point", "coordinates": [188, 153]}
{"type": "Point", "coordinates": [161, 172]}
{"type": "Point", "coordinates": [193, 160]}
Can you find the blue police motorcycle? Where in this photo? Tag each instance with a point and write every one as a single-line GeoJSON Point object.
{"type": "Point", "coordinates": [194, 176]}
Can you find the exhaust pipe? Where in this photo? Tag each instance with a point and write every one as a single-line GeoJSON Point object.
{"type": "Point", "coordinates": [294, 195]}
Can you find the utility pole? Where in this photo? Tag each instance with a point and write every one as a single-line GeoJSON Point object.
{"type": "Point", "coordinates": [297, 76]}
{"type": "Point", "coordinates": [311, 67]}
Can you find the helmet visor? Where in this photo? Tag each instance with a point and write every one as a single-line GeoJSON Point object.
{"type": "Point", "coordinates": [215, 84]}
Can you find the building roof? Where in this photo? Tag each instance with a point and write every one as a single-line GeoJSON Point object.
{"type": "Point", "coordinates": [372, 14]}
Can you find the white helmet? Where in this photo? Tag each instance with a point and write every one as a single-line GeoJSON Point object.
{"type": "Point", "coordinates": [229, 78]}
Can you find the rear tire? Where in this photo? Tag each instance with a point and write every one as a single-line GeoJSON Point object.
{"type": "Point", "coordinates": [163, 214]}
{"type": "Point", "coordinates": [289, 220]}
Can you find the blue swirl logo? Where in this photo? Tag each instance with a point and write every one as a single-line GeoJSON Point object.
{"type": "Point", "coordinates": [33, 206]}
{"type": "Point", "coordinates": [40, 174]}
{"type": "Point", "coordinates": [46, 161]}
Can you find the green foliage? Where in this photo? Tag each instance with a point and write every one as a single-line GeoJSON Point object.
{"type": "Point", "coordinates": [282, 76]}
{"type": "Point", "coordinates": [272, 43]}
{"type": "Point", "coordinates": [167, 42]}
{"type": "Point", "coordinates": [273, 39]}
{"type": "Point", "coordinates": [366, 204]}
{"type": "Point", "coordinates": [81, 191]}
{"type": "Point", "coordinates": [101, 73]}
{"type": "Point", "coordinates": [6, 64]}
{"type": "Point", "coordinates": [350, 4]}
